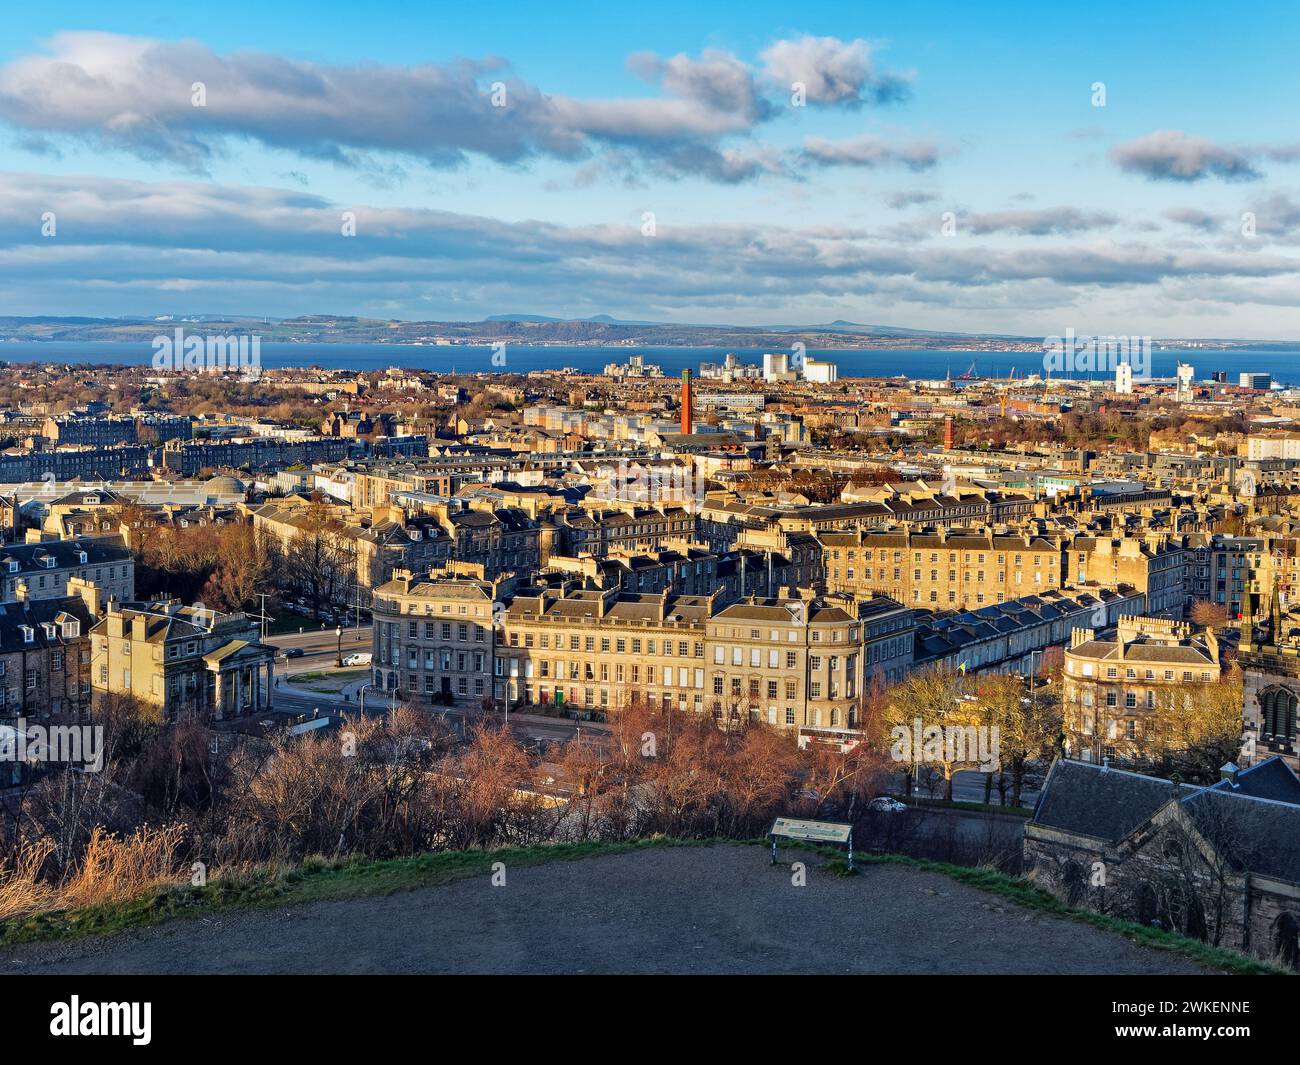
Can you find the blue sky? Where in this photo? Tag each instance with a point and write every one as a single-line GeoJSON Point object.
{"type": "Point", "coordinates": [1125, 218]}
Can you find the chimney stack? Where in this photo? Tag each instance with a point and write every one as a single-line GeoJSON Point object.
{"type": "Point", "coordinates": [688, 422]}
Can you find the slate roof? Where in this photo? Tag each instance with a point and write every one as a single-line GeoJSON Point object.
{"type": "Point", "coordinates": [1259, 835]}
{"type": "Point", "coordinates": [1090, 800]}
{"type": "Point", "coordinates": [101, 550]}
{"type": "Point", "coordinates": [1254, 832]}
{"type": "Point", "coordinates": [1270, 779]}
{"type": "Point", "coordinates": [36, 614]}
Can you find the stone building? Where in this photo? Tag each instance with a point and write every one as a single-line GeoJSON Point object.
{"type": "Point", "coordinates": [1220, 863]}
{"type": "Point", "coordinates": [44, 569]}
{"type": "Point", "coordinates": [632, 528]}
{"type": "Point", "coordinates": [1269, 656]}
{"type": "Point", "coordinates": [1112, 685]}
{"type": "Point", "coordinates": [797, 661]}
{"type": "Point", "coordinates": [45, 656]}
{"type": "Point", "coordinates": [942, 568]}
{"type": "Point", "coordinates": [1155, 564]}
{"type": "Point", "coordinates": [1236, 572]}
{"type": "Point", "coordinates": [434, 639]}
{"type": "Point", "coordinates": [182, 660]}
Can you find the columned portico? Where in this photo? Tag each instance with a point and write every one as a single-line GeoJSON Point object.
{"type": "Point", "coordinates": [242, 678]}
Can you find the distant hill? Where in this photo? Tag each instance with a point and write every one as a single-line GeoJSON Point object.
{"type": "Point", "coordinates": [603, 318]}
{"type": "Point", "coordinates": [532, 329]}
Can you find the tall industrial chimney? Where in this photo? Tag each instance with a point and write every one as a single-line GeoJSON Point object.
{"type": "Point", "coordinates": [947, 433]}
{"type": "Point", "coordinates": [688, 424]}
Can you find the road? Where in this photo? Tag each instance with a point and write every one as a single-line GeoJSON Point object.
{"type": "Point", "coordinates": [320, 645]}
{"type": "Point", "coordinates": [967, 786]}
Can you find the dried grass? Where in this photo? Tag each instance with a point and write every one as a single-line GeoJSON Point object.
{"type": "Point", "coordinates": [111, 869]}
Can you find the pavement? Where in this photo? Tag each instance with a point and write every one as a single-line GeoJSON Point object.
{"type": "Point", "coordinates": [700, 909]}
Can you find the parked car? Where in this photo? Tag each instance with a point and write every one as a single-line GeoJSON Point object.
{"type": "Point", "coordinates": [291, 652]}
{"type": "Point", "coordinates": [359, 658]}
{"type": "Point", "coordinates": [886, 805]}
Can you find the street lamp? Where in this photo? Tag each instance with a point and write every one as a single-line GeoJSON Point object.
{"type": "Point", "coordinates": [338, 658]}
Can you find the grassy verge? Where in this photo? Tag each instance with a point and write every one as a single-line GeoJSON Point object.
{"type": "Point", "coordinates": [288, 621]}
{"type": "Point", "coordinates": [331, 679]}
{"type": "Point", "coordinates": [976, 807]}
{"type": "Point", "coordinates": [320, 880]}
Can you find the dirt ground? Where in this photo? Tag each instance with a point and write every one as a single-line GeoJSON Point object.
{"type": "Point", "coordinates": [720, 909]}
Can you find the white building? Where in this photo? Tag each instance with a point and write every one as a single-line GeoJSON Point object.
{"type": "Point", "coordinates": [1183, 377]}
{"type": "Point", "coordinates": [776, 366]}
{"type": "Point", "coordinates": [820, 372]}
{"type": "Point", "coordinates": [1124, 379]}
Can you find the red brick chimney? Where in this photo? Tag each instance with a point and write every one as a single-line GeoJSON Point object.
{"type": "Point", "coordinates": [688, 423]}
{"type": "Point", "coordinates": [947, 433]}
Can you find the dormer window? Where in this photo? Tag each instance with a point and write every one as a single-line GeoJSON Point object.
{"type": "Point", "coordinates": [49, 561]}
{"type": "Point", "coordinates": [29, 633]}
{"type": "Point", "coordinates": [71, 630]}
{"type": "Point", "coordinates": [81, 557]}
{"type": "Point", "coordinates": [51, 630]}
{"type": "Point", "coordinates": [13, 566]}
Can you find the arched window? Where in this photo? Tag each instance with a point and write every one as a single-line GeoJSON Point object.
{"type": "Point", "coordinates": [1278, 713]}
{"type": "Point", "coordinates": [1146, 908]}
{"type": "Point", "coordinates": [1286, 939]}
